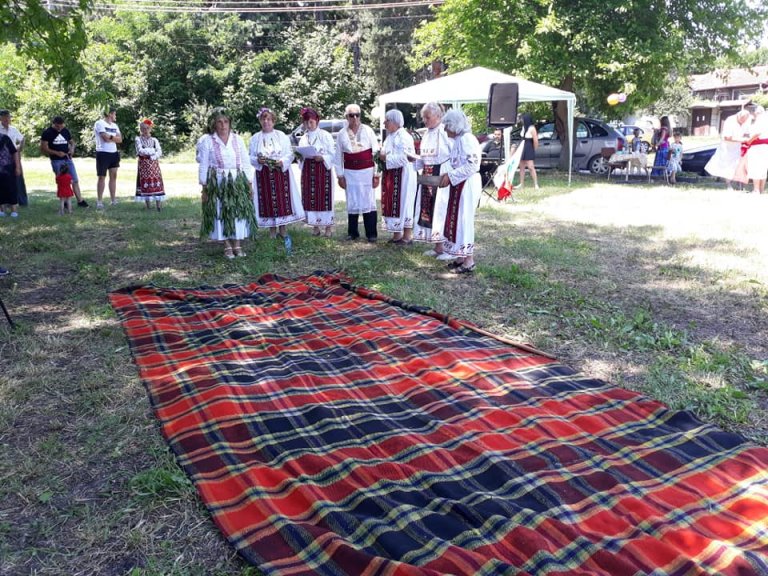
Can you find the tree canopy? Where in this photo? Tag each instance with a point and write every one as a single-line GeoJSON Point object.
{"type": "Point", "coordinates": [593, 47]}
{"type": "Point", "coordinates": [54, 39]}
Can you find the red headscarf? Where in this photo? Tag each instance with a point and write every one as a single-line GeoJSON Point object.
{"type": "Point", "coordinates": [307, 113]}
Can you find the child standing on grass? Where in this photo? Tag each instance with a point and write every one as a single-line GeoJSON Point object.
{"type": "Point", "coordinates": [675, 158]}
{"type": "Point", "coordinates": [64, 190]}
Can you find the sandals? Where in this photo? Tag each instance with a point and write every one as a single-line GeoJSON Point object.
{"type": "Point", "coordinates": [464, 270]}
{"type": "Point", "coordinates": [239, 252]}
{"type": "Point", "coordinates": [228, 253]}
{"type": "Point", "coordinates": [455, 264]}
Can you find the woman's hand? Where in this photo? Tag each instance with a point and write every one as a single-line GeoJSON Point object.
{"type": "Point", "coordinates": [262, 159]}
{"type": "Point", "coordinates": [376, 180]}
{"type": "Point", "coordinates": [444, 181]}
{"type": "Point", "coordinates": [204, 195]}
{"type": "Point", "coordinates": [342, 182]}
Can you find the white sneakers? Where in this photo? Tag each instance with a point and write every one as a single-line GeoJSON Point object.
{"type": "Point", "coordinates": [445, 257]}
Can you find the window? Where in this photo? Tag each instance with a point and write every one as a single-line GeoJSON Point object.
{"type": "Point", "coordinates": [582, 131]}
{"type": "Point", "coordinates": [547, 132]}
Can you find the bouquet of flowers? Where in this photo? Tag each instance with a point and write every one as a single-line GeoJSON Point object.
{"type": "Point", "coordinates": [271, 163]}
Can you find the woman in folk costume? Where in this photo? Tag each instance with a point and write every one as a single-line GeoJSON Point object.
{"type": "Point", "coordinates": [726, 158]}
{"type": "Point", "coordinates": [276, 192]}
{"type": "Point", "coordinates": [757, 153]}
{"type": "Point", "coordinates": [356, 146]}
{"type": "Point", "coordinates": [317, 175]}
{"type": "Point", "coordinates": [149, 179]}
{"type": "Point", "coordinates": [455, 218]}
{"type": "Point", "coordinates": [225, 174]}
{"type": "Point", "coordinates": [398, 185]}
{"type": "Point", "coordinates": [434, 154]}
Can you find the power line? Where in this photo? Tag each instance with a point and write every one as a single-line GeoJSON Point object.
{"type": "Point", "coordinates": [242, 6]}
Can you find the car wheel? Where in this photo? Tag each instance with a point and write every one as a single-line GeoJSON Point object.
{"type": "Point", "coordinates": [644, 147]}
{"type": "Point", "coordinates": [598, 165]}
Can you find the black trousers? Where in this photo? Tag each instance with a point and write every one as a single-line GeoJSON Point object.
{"type": "Point", "coordinates": [369, 223]}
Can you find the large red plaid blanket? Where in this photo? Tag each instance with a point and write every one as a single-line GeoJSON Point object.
{"type": "Point", "coordinates": [332, 431]}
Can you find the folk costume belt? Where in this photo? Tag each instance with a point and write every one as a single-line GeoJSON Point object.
{"type": "Point", "coordinates": [358, 160]}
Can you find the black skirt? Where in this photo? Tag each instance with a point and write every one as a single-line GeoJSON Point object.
{"type": "Point", "coordinates": [8, 190]}
{"type": "Point", "coordinates": [529, 152]}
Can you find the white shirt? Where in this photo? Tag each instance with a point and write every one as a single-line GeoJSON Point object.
{"type": "Point", "coordinates": [465, 158]}
{"type": "Point", "coordinates": [323, 143]}
{"type": "Point", "coordinates": [435, 148]}
{"type": "Point", "coordinates": [101, 127]}
{"type": "Point", "coordinates": [212, 152]}
{"type": "Point", "coordinates": [273, 145]}
{"type": "Point", "coordinates": [398, 146]}
{"type": "Point", "coordinates": [13, 134]}
{"type": "Point", "coordinates": [148, 147]}
{"type": "Point", "coordinates": [363, 139]}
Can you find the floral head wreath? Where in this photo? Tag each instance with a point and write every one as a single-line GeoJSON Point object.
{"type": "Point", "coordinates": [216, 113]}
{"type": "Point", "coordinates": [148, 122]}
{"type": "Point", "coordinates": [264, 110]}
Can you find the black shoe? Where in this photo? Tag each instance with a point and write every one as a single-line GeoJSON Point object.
{"type": "Point", "coordinates": [82, 204]}
{"type": "Point", "coordinates": [372, 240]}
{"type": "Point", "coordinates": [352, 238]}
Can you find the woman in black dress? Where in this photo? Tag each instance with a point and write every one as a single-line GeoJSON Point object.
{"type": "Point", "coordinates": [530, 143]}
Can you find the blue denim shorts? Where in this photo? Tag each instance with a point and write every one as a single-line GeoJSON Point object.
{"type": "Point", "coordinates": [56, 165]}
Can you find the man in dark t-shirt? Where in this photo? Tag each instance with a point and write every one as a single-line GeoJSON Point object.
{"type": "Point", "coordinates": [57, 143]}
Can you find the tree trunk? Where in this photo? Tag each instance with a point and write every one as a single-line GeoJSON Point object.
{"type": "Point", "coordinates": [560, 108]}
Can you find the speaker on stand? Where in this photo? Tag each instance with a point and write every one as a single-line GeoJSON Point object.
{"type": "Point", "coordinates": [502, 113]}
{"type": "Point", "coordinates": [502, 104]}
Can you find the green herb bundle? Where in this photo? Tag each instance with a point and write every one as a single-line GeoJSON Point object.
{"type": "Point", "coordinates": [381, 165]}
{"type": "Point", "coordinates": [235, 199]}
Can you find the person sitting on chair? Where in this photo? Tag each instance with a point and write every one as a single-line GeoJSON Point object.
{"type": "Point", "coordinates": [493, 156]}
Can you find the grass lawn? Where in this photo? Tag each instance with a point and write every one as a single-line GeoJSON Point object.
{"type": "Point", "coordinates": [658, 289]}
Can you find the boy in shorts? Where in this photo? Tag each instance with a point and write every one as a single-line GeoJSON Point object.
{"type": "Point", "coordinates": [108, 136]}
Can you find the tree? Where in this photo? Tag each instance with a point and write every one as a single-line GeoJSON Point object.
{"type": "Point", "coordinates": [53, 39]}
{"type": "Point", "coordinates": [592, 47]}
{"type": "Point", "coordinates": [322, 74]}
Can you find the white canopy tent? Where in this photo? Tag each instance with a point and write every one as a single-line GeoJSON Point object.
{"type": "Point", "coordinates": [473, 85]}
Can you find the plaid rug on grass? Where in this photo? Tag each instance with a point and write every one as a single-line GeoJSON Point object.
{"type": "Point", "coordinates": [333, 431]}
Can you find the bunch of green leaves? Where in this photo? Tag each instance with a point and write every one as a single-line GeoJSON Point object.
{"type": "Point", "coordinates": [235, 202]}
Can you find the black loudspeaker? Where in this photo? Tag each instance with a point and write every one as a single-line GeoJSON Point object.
{"type": "Point", "coordinates": [502, 104]}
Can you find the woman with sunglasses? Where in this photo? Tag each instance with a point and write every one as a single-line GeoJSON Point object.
{"type": "Point", "coordinates": [356, 145]}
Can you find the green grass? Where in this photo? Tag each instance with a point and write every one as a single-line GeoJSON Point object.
{"type": "Point", "coordinates": [88, 484]}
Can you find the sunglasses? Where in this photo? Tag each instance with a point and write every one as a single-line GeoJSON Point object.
{"type": "Point", "coordinates": [353, 115]}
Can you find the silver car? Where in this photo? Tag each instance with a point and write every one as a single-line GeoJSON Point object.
{"type": "Point", "coordinates": [591, 136]}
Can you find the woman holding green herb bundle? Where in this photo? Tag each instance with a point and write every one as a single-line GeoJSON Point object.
{"type": "Point", "coordinates": [225, 173]}
{"type": "Point", "coordinates": [275, 189]}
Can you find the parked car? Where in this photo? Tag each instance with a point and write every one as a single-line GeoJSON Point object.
{"type": "Point", "coordinates": [695, 159]}
{"type": "Point", "coordinates": [332, 125]}
{"type": "Point", "coordinates": [590, 137]}
{"type": "Point", "coordinates": [628, 130]}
